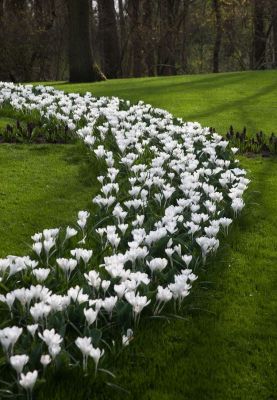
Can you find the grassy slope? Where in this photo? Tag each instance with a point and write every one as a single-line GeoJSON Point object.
{"type": "Point", "coordinates": [40, 186]}
{"type": "Point", "coordinates": [230, 350]}
{"type": "Point", "coordinates": [239, 98]}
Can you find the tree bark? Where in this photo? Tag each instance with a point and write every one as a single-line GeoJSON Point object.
{"type": "Point", "coordinates": [169, 24]}
{"type": "Point", "coordinates": [218, 37]}
{"type": "Point", "coordinates": [1, 8]}
{"type": "Point", "coordinates": [184, 57]}
{"type": "Point", "coordinates": [122, 27]}
{"type": "Point", "coordinates": [149, 45]}
{"type": "Point", "coordinates": [274, 25]}
{"type": "Point", "coordinates": [109, 50]}
{"type": "Point", "coordinates": [259, 40]}
{"type": "Point", "coordinates": [134, 11]}
{"type": "Point", "coordinates": [82, 67]}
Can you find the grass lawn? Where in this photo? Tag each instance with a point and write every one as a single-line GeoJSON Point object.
{"type": "Point", "coordinates": [219, 100]}
{"type": "Point", "coordinates": [41, 186]}
{"type": "Point", "coordinates": [227, 346]}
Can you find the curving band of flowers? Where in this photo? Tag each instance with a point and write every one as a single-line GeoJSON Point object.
{"type": "Point", "coordinates": [166, 191]}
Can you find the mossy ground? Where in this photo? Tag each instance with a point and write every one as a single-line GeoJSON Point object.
{"type": "Point", "coordinates": [226, 347]}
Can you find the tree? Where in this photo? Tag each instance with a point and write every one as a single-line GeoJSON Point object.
{"type": "Point", "coordinates": [184, 57]}
{"type": "Point", "coordinates": [170, 21]}
{"type": "Point", "coordinates": [149, 45]}
{"type": "Point", "coordinates": [274, 25]}
{"type": "Point", "coordinates": [82, 67]}
{"type": "Point", "coordinates": [109, 49]}
{"type": "Point", "coordinates": [259, 40]}
{"type": "Point", "coordinates": [218, 37]}
{"type": "Point", "coordinates": [136, 45]}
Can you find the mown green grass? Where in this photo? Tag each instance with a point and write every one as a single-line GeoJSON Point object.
{"type": "Point", "coordinates": [227, 346]}
{"type": "Point", "coordinates": [41, 186]}
{"type": "Point", "coordinates": [239, 98]}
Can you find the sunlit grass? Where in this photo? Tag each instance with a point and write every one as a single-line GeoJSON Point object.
{"type": "Point", "coordinates": [217, 100]}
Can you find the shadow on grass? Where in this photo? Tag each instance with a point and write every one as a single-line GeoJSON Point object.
{"type": "Point", "coordinates": [237, 104]}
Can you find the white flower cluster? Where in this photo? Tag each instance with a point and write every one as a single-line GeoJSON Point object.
{"type": "Point", "coordinates": [167, 190]}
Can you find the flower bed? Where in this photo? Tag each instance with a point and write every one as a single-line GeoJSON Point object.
{"type": "Point", "coordinates": [167, 190]}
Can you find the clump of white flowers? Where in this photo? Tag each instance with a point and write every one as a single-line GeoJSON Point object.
{"type": "Point", "coordinates": [161, 180]}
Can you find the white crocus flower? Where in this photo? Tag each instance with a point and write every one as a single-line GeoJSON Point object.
{"type": "Point", "coordinates": [157, 264]}
{"type": "Point", "coordinates": [91, 315]}
{"type": "Point", "coordinates": [45, 360]}
{"type": "Point", "coordinates": [9, 336]}
{"type": "Point", "coordinates": [187, 259]}
{"type": "Point", "coordinates": [70, 232]}
{"type": "Point", "coordinates": [18, 362]}
{"type": "Point", "coordinates": [96, 354]}
{"type": "Point", "coordinates": [41, 274]}
{"type": "Point", "coordinates": [85, 346]}
{"type": "Point", "coordinates": [137, 302]}
{"type": "Point", "coordinates": [109, 304]}
{"type": "Point", "coordinates": [67, 265]}
{"type": "Point", "coordinates": [52, 340]}
{"type": "Point", "coordinates": [127, 338]}
{"type": "Point", "coordinates": [32, 329]}
{"type": "Point", "coordinates": [37, 247]}
{"type": "Point", "coordinates": [28, 381]}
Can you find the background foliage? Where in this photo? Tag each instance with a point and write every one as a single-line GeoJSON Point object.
{"type": "Point", "coordinates": [134, 37]}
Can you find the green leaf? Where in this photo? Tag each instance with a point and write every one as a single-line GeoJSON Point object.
{"type": "Point", "coordinates": [95, 335]}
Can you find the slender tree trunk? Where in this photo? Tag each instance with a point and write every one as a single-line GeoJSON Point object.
{"type": "Point", "coordinates": [274, 25]}
{"type": "Point", "coordinates": [148, 8]}
{"type": "Point", "coordinates": [121, 20]}
{"type": "Point", "coordinates": [123, 38]}
{"type": "Point", "coordinates": [259, 40]}
{"type": "Point", "coordinates": [42, 57]}
{"type": "Point", "coordinates": [169, 14]}
{"type": "Point", "coordinates": [135, 36]}
{"type": "Point", "coordinates": [184, 56]}
{"type": "Point", "coordinates": [218, 37]}
{"type": "Point", "coordinates": [82, 67]}
{"type": "Point", "coordinates": [122, 27]}
{"type": "Point", "coordinates": [1, 8]}
{"type": "Point", "coordinates": [109, 50]}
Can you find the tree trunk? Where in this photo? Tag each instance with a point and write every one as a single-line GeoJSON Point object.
{"type": "Point", "coordinates": [149, 50]}
{"type": "Point", "coordinates": [259, 41]}
{"type": "Point", "coordinates": [81, 64]}
{"type": "Point", "coordinates": [1, 9]}
{"type": "Point", "coordinates": [135, 36]}
{"type": "Point", "coordinates": [122, 27]}
{"type": "Point", "coordinates": [274, 25]}
{"type": "Point", "coordinates": [124, 39]}
{"type": "Point", "coordinates": [109, 50]}
{"type": "Point", "coordinates": [169, 14]}
{"type": "Point", "coordinates": [184, 56]}
{"type": "Point", "coordinates": [218, 37]}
